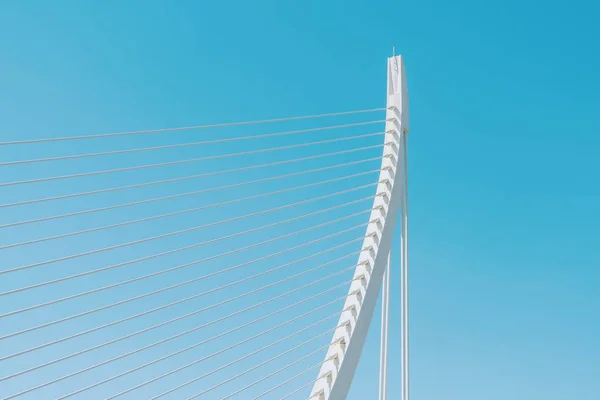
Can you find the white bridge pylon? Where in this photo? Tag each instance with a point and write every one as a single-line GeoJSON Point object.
{"type": "Point", "coordinates": [337, 372]}
{"type": "Point", "coordinates": [209, 261]}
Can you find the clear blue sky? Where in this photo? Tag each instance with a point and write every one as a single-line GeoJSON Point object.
{"type": "Point", "coordinates": [504, 144]}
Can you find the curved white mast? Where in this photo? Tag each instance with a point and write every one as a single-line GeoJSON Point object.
{"type": "Point", "coordinates": [338, 369]}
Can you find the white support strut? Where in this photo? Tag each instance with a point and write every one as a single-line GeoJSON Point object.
{"type": "Point", "coordinates": [385, 318]}
{"type": "Point", "coordinates": [404, 365]}
{"type": "Point", "coordinates": [337, 371]}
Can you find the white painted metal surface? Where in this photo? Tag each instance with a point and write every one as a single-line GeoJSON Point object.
{"type": "Point", "coordinates": [358, 291]}
{"type": "Point", "coordinates": [385, 318]}
{"type": "Point", "coordinates": [337, 372]}
{"type": "Point", "coordinates": [404, 363]}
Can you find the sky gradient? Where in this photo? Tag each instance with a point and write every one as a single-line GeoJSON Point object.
{"type": "Point", "coordinates": [503, 154]}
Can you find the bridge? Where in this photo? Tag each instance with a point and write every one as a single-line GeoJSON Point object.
{"type": "Point", "coordinates": [238, 260]}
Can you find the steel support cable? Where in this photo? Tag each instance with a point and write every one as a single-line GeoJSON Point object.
{"type": "Point", "coordinates": [206, 259]}
{"type": "Point", "coordinates": [313, 367]}
{"type": "Point", "coordinates": [177, 285]}
{"type": "Point", "coordinates": [191, 144]}
{"type": "Point", "coordinates": [108, 306]}
{"type": "Point", "coordinates": [194, 127]}
{"type": "Point", "coordinates": [189, 160]}
{"type": "Point", "coordinates": [272, 344]}
{"type": "Point", "coordinates": [306, 385]}
{"type": "Point", "coordinates": [114, 323]}
{"type": "Point", "coordinates": [256, 366]}
{"type": "Point", "coordinates": [181, 266]}
{"type": "Point", "coordinates": [210, 389]}
{"type": "Point", "coordinates": [186, 211]}
{"type": "Point", "coordinates": [176, 336]}
{"type": "Point", "coordinates": [207, 341]}
{"type": "Point", "coordinates": [186, 299]}
{"type": "Point", "coordinates": [136, 316]}
{"type": "Point", "coordinates": [203, 326]}
{"type": "Point", "coordinates": [195, 192]}
{"type": "Point", "coordinates": [264, 378]}
{"type": "Point", "coordinates": [46, 364]}
{"type": "Point", "coordinates": [152, 238]}
{"type": "Point", "coordinates": [144, 330]}
{"type": "Point", "coordinates": [171, 180]}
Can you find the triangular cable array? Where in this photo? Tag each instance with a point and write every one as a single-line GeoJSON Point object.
{"type": "Point", "coordinates": [210, 261]}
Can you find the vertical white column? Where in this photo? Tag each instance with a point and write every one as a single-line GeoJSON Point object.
{"type": "Point", "coordinates": [404, 276]}
{"type": "Point", "coordinates": [385, 318]}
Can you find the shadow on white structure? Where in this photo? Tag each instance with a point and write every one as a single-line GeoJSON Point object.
{"type": "Point", "coordinates": [337, 372]}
